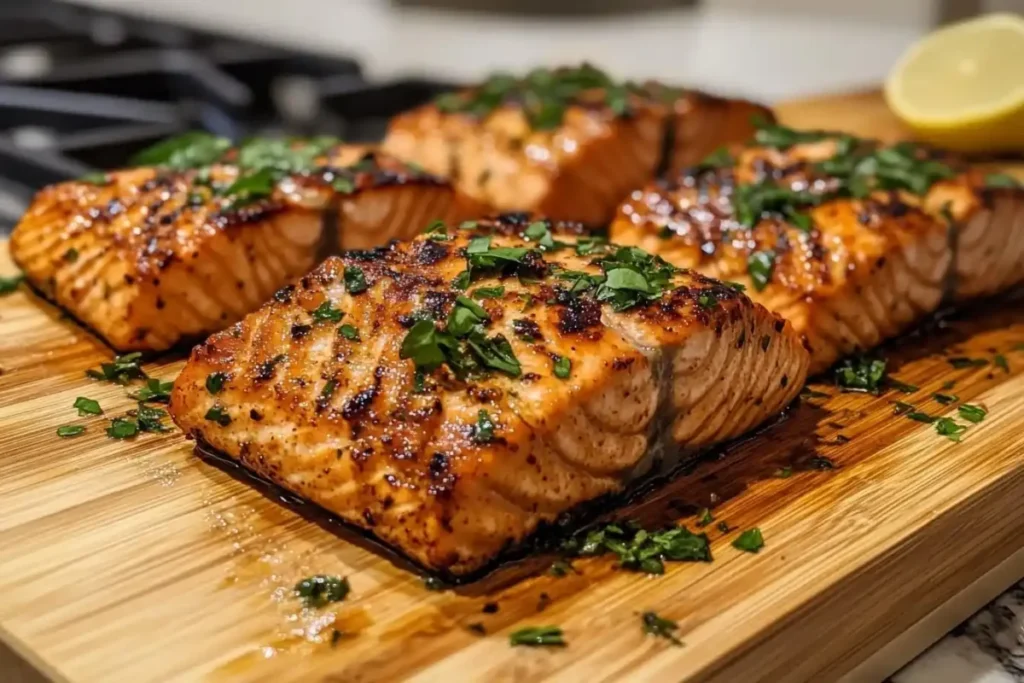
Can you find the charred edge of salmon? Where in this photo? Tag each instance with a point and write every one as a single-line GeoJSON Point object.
{"type": "Point", "coordinates": [545, 538]}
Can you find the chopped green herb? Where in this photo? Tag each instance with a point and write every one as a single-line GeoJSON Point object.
{"type": "Point", "coordinates": [462, 280]}
{"type": "Point", "coordinates": [68, 431]}
{"type": "Point", "coordinates": [723, 527]}
{"type": "Point", "coordinates": [215, 382]}
{"type": "Point", "coordinates": [560, 568]}
{"type": "Point", "coordinates": [122, 370]}
{"type": "Point", "coordinates": [534, 636]}
{"type": "Point", "coordinates": [349, 332]}
{"type": "Point", "coordinates": [218, 414]}
{"type": "Point", "coordinates": [860, 374]}
{"type": "Point", "coordinates": [760, 265]}
{"type": "Point", "coordinates": [468, 225]}
{"type": "Point", "coordinates": [972, 413]}
{"type": "Point", "coordinates": [343, 185]}
{"type": "Point", "coordinates": [820, 462]}
{"type": "Point", "coordinates": [782, 137]}
{"type": "Point", "coordinates": [432, 583]}
{"type": "Point", "coordinates": [250, 187]}
{"type": "Point", "coordinates": [150, 419]}
{"type": "Point", "coordinates": [562, 366]}
{"type": "Point", "coordinates": [487, 292]}
{"type": "Point", "coordinates": [320, 590]}
{"type": "Point", "coordinates": [355, 280]}
{"type": "Point", "coordinates": [189, 150]}
{"type": "Point", "coordinates": [750, 541]}
{"type": "Point", "coordinates": [639, 549]}
{"type": "Point", "coordinates": [961, 362]}
{"type": "Point", "coordinates": [483, 432]}
{"type": "Point", "coordinates": [945, 399]}
{"type": "Point", "coordinates": [71, 255]}
{"type": "Point", "coordinates": [949, 429]}
{"type": "Point", "coordinates": [707, 300]}
{"type": "Point", "coordinates": [918, 416]}
{"type": "Point", "coordinates": [654, 625]}
{"type": "Point", "coordinates": [97, 178]}
{"type": "Point", "coordinates": [901, 386]}
{"type": "Point", "coordinates": [784, 472]}
{"type": "Point", "coordinates": [720, 158]}
{"type": "Point", "coordinates": [121, 428]}
{"type": "Point", "coordinates": [808, 393]}
{"type": "Point", "coordinates": [1001, 180]}
{"type": "Point", "coordinates": [1000, 362]}
{"type": "Point", "coordinates": [327, 312]}
{"type": "Point", "coordinates": [155, 391]}
{"type": "Point", "coordinates": [901, 408]}
{"type": "Point", "coordinates": [739, 287]}
{"type": "Point", "coordinates": [10, 284]}
{"type": "Point", "coordinates": [946, 386]}
{"type": "Point", "coordinates": [632, 277]}
{"type": "Point", "coordinates": [704, 517]}
{"type": "Point", "coordinates": [87, 406]}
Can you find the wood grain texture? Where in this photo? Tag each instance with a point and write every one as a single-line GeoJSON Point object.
{"type": "Point", "coordinates": [140, 561]}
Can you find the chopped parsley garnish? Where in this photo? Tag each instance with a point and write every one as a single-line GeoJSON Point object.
{"type": "Point", "coordinates": [326, 312]}
{"type": "Point", "coordinates": [755, 201]}
{"type": "Point", "coordinates": [784, 472]}
{"type": "Point", "coordinates": [437, 231]}
{"type": "Point", "coordinates": [901, 386]}
{"type": "Point", "coordinates": [639, 549]}
{"type": "Point", "coordinates": [750, 541]}
{"type": "Point", "coordinates": [155, 391]}
{"type": "Point", "coordinates": [808, 393]}
{"type": "Point", "coordinates": [704, 517]}
{"type": "Point", "coordinates": [463, 344]}
{"type": "Point", "coordinates": [589, 245]}
{"type": "Point", "coordinates": [10, 284]}
{"type": "Point", "coordinates": [468, 225]}
{"type": "Point", "coordinates": [251, 187]}
{"type": "Point", "coordinates": [218, 414]}
{"type": "Point", "coordinates": [215, 382]}
{"type": "Point", "coordinates": [349, 332]}
{"type": "Point", "coordinates": [945, 399]}
{"type": "Point", "coordinates": [707, 300]}
{"type": "Point", "coordinates": [343, 185]}
{"type": "Point", "coordinates": [948, 428]}
{"type": "Point", "coordinates": [961, 362]}
{"type": "Point", "coordinates": [760, 266]}
{"type": "Point", "coordinates": [860, 374]}
{"type": "Point", "coordinates": [633, 277]}
{"type": "Point", "coordinates": [320, 590]}
{"type": "Point", "coordinates": [150, 419]}
{"type": "Point", "coordinates": [122, 370]}
{"type": "Point", "coordinates": [560, 568]}
{"type": "Point", "coordinates": [487, 292]}
{"type": "Point", "coordinates": [821, 463]}
{"type": "Point", "coordinates": [432, 583]}
{"type": "Point", "coordinates": [720, 158]}
{"type": "Point", "coordinates": [355, 280]}
{"type": "Point", "coordinates": [1001, 180]}
{"type": "Point", "coordinates": [972, 413]}
{"type": "Point", "coordinates": [71, 255]}
{"type": "Point", "coordinates": [562, 367]}
{"type": "Point", "coordinates": [918, 416]}
{"type": "Point", "coordinates": [87, 406]}
{"type": "Point", "coordinates": [483, 431]}
{"type": "Point", "coordinates": [736, 286]}
{"type": "Point", "coordinates": [1000, 362]}
{"type": "Point", "coordinates": [781, 137]}
{"type": "Point", "coordinates": [189, 150]}
{"type": "Point", "coordinates": [97, 178]}
{"type": "Point", "coordinates": [901, 408]}
{"type": "Point", "coordinates": [540, 232]}
{"type": "Point", "coordinates": [68, 431]}
{"type": "Point", "coordinates": [535, 636]}
{"type": "Point", "coordinates": [121, 428]}
{"type": "Point", "coordinates": [946, 386]}
{"type": "Point", "coordinates": [654, 625]}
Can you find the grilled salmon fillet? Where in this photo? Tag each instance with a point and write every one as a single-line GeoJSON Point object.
{"type": "Point", "coordinates": [850, 241]}
{"type": "Point", "coordinates": [452, 393]}
{"type": "Point", "coordinates": [568, 143]}
{"type": "Point", "coordinates": [152, 255]}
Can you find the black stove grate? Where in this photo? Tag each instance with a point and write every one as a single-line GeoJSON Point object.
{"type": "Point", "coordinates": [83, 89]}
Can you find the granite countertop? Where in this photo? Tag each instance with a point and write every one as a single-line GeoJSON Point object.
{"type": "Point", "coordinates": [987, 648]}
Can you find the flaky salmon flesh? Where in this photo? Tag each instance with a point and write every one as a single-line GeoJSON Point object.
{"type": "Point", "coordinates": [849, 240]}
{"type": "Point", "coordinates": [568, 143]}
{"type": "Point", "coordinates": [453, 393]}
{"type": "Point", "coordinates": [150, 256]}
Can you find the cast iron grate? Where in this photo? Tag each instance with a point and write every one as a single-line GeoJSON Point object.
{"type": "Point", "coordinates": [84, 89]}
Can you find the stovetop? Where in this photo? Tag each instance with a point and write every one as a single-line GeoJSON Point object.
{"type": "Point", "coordinates": [83, 90]}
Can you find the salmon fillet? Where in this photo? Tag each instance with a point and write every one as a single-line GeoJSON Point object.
{"type": "Point", "coordinates": [453, 393]}
{"type": "Point", "coordinates": [568, 143]}
{"type": "Point", "coordinates": [150, 256]}
{"type": "Point", "coordinates": [849, 240]}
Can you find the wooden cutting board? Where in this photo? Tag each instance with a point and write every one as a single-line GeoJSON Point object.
{"type": "Point", "coordinates": [139, 561]}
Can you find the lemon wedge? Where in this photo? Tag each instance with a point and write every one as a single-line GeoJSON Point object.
{"type": "Point", "coordinates": [962, 87]}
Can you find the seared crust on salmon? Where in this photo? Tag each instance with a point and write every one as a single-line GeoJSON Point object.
{"type": "Point", "coordinates": [150, 256]}
{"type": "Point", "coordinates": [849, 265]}
{"type": "Point", "coordinates": [568, 143]}
{"type": "Point", "coordinates": [452, 393]}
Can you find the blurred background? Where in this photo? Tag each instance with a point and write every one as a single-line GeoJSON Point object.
{"type": "Point", "coordinates": [84, 85]}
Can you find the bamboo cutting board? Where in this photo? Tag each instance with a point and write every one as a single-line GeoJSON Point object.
{"type": "Point", "coordinates": [140, 561]}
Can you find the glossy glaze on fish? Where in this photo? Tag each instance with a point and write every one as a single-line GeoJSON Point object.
{"type": "Point", "coordinates": [848, 268]}
{"type": "Point", "coordinates": [150, 256]}
{"type": "Point", "coordinates": [567, 143]}
{"type": "Point", "coordinates": [452, 427]}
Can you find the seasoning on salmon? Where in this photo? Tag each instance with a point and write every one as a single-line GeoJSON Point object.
{"type": "Point", "coordinates": [502, 375]}
{"type": "Point", "coordinates": [203, 232]}
{"type": "Point", "coordinates": [849, 240]}
{"type": "Point", "coordinates": [569, 143]}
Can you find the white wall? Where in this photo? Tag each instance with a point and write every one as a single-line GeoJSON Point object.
{"type": "Point", "coordinates": [765, 48]}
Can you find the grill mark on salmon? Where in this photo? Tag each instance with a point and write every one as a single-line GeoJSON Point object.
{"type": "Point", "coordinates": [159, 258]}
{"type": "Point", "coordinates": [583, 167]}
{"type": "Point", "coordinates": [648, 387]}
{"type": "Point", "coordinates": [867, 270]}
